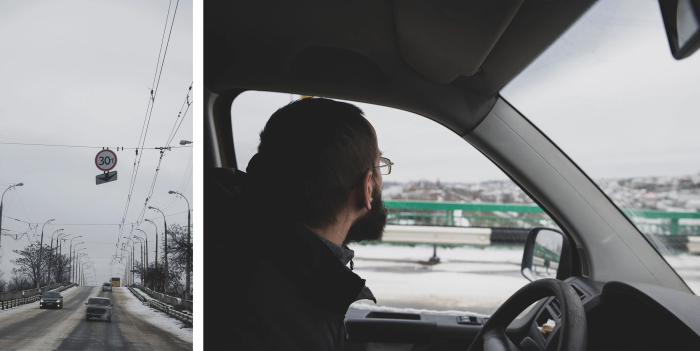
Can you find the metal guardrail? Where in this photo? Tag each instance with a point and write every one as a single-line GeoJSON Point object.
{"type": "Point", "coordinates": [183, 316]}
{"type": "Point", "coordinates": [167, 299]}
{"type": "Point", "coordinates": [138, 295]}
{"type": "Point", "coordinates": [448, 213]}
{"type": "Point", "coordinates": [170, 311]}
{"type": "Point", "coordinates": [17, 298]}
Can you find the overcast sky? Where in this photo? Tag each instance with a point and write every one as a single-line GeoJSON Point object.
{"type": "Point", "coordinates": [609, 93]}
{"type": "Point", "coordinates": [79, 73]}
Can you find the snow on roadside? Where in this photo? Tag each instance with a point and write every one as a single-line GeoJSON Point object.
{"type": "Point", "coordinates": [155, 317]}
{"type": "Point", "coordinates": [67, 295]}
{"type": "Point", "coordinates": [424, 252]}
{"type": "Point", "coordinates": [143, 293]}
{"type": "Point", "coordinates": [367, 307]}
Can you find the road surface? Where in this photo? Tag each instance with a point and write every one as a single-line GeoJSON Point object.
{"type": "Point", "coordinates": [29, 328]}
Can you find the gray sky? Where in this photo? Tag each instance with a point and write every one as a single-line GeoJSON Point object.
{"type": "Point", "coordinates": [78, 73]}
{"type": "Point", "coordinates": [609, 93]}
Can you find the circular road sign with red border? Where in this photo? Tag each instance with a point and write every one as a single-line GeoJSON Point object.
{"type": "Point", "coordinates": [105, 160]}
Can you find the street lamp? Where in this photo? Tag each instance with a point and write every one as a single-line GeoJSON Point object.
{"type": "Point", "coordinates": [144, 233]}
{"type": "Point", "coordinates": [165, 226]}
{"type": "Point", "coordinates": [41, 252]}
{"type": "Point", "coordinates": [79, 266]}
{"type": "Point", "coordinates": [59, 242]}
{"type": "Point", "coordinates": [189, 259]}
{"type": "Point", "coordinates": [132, 259]}
{"type": "Point", "coordinates": [143, 256]}
{"type": "Point", "coordinates": [77, 256]}
{"type": "Point", "coordinates": [51, 250]}
{"type": "Point", "coordinates": [185, 142]}
{"type": "Point", "coordinates": [146, 236]}
{"type": "Point", "coordinates": [71, 257]}
{"type": "Point", "coordinates": [2, 198]}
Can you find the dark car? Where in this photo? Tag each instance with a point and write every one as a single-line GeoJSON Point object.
{"type": "Point", "coordinates": [98, 307]}
{"type": "Point", "coordinates": [51, 299]}
{"type": "Point", "coordinates": [106, 286]}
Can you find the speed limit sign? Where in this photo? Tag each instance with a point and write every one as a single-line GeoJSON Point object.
{"type": "Point", "coordinates": [106, 160]}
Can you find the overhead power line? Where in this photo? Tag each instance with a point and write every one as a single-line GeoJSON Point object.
{"type": "Point", "coordinates": [162, 153]}
{"type": "Point", "coordinates": [149, 112]}
{"type": "Point", "coordinates": [64, 224]}
{"type": "Point", "coordinates": [93, 147]}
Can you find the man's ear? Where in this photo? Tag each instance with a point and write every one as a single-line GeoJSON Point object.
{"type": "Point", "coordinates": [366, 192]}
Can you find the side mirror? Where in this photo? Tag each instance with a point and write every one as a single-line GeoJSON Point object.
{"type": "Point", "coordinates": [547, 254]}
{"type": "Point", "coordinates": [682, 23]}
{"type": "Point", "coordinates": [86, 304]}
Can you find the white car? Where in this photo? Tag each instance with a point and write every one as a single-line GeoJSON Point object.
{"type": "Point", "coordinates": [106, 287]}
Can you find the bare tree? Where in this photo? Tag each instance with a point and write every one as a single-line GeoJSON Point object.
{"type": "Point", "coordinates": [28, 263]}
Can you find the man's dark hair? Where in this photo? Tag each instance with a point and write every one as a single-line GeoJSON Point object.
{"type": "Point", "coordinates": [312, 153]}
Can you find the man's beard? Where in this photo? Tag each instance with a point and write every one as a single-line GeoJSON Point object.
{"type": "Point", "coordinates": [370, 226]}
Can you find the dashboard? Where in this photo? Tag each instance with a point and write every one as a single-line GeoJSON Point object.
{"type": "Point", "coordinates": [620, 316]}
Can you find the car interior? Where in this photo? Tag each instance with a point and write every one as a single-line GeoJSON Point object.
{"type": "Point", "coordinates": [447, 61]}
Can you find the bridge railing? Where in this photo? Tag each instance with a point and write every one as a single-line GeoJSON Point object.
{"type": "Point", "coordinates": [12, 299]}
{"type": "Point", "coordinates": [524, 216]}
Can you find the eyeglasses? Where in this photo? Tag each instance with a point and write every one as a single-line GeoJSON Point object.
{"type": "Point", "coordinates": [384, 166]}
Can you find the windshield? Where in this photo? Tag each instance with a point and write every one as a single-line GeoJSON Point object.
{"type": "Point", "coordinates": [99, 302]}
{"type": "Point", "coordinates": [50, 295]}
{"type": "Point", "coordinates": [612, 97]}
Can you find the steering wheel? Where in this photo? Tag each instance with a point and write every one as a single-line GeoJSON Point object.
{"type": "Point", "coordinates": [572, 327]}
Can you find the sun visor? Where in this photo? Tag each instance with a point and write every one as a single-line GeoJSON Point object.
{"type": "Point", "coordinates": [443, 40]}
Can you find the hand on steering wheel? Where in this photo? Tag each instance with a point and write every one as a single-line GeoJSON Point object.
{"type": "Point", "coordinates": [572, 328]}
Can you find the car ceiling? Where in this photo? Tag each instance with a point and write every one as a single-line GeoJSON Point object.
{"type": "Point", "coordinates": [446, 60]}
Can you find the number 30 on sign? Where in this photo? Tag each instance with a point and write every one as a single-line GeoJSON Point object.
{"type": "Point", "coordinates": [106, 160]}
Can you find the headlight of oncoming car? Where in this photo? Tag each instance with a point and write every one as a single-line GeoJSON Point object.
{"type": "Point", "coordinates": [42, 300]}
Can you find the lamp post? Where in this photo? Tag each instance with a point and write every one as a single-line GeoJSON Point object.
{"type": "Point", "coordinates": [70, 269]}
{"type": "Point", "coordinates": [1, 199]}
{"type": "Point", "coordinates": [77, 256]}
{"type": "Point", "coordinates": [165, 230]}
{"type": "Point", "coordinates": [82, 266]}
{"type": "Point", "coordinates": [132, 259]}
{"type": "Point", "coordinates": [145, 235]}
{"type": "Point", "coordinates": [188, 266]}
{"type": "Point", "coordinates": [41, 252]}
{"type": "Point", "coordinates": [60, 241]}
{"type": "Point", "coordinates": [51, 254]}
{"type": "Point", "coordinates": [79, 267]}
{"type": "Point", "coordinates": [143, 256]}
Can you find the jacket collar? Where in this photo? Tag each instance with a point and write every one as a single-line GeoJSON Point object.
{"type": "Point", "coordinates": [323, 279]}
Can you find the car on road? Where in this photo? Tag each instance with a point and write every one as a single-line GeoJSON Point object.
{"type": "Point", "coordinates": [98, 307]}
{"type": "Point", "coordinates": [51, 299]}
{"type": "Point", "coordinates": [106, 287]}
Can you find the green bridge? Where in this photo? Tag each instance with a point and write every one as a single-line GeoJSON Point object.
{"type": "Point", "coordinates": [525, 216]}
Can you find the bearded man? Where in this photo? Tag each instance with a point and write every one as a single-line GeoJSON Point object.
{"type": "Point", "coordinates": [313, 187]}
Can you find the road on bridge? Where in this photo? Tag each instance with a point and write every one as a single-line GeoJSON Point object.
{"type": "Point", "coordinates": [31, 328]}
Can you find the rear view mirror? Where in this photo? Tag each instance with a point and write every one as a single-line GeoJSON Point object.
{"type": "Point", "coordinates": [546, 255]}
{"type": "Point", "coordinates": [682, 23]}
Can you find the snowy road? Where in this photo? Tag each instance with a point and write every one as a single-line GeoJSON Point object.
{"type": "Point", "coordinates": [29, 328]}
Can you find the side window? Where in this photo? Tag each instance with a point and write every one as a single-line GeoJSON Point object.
{"type": "Point", "coordinates": [457, 223]}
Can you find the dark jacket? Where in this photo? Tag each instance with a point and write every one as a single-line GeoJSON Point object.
{"type": "Point", "coordinates": [270, 284]}
{"type": "Point", "coordinates": [299, 304]}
